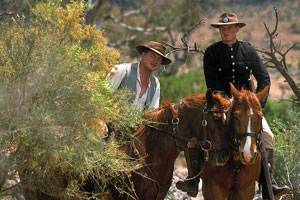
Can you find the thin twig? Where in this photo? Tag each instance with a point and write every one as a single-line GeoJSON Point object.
{"type": "Point", "coordinates": [9, 10]}
{"type": "Point", "coordinates": [185, 41]}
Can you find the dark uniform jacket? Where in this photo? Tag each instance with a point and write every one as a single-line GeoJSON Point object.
{"type": "Point", "coordinates": [224, 64]}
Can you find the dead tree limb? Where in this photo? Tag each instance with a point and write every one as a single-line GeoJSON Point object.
{"type": "Point", "coordinates": [276, 56]}
{"type": "Point", "coordinates": [9, 10]}
{"type": "Point", "coordinates": [185, 41]}
{"type": "Point", "coordinates": [128, 27]}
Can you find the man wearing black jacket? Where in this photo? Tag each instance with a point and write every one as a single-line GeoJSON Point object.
{"type": "Point", "coordinates": [231, 60]}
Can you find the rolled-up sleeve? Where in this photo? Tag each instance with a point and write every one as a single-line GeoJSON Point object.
{"type": "Point", "coordinates": [116, 75]}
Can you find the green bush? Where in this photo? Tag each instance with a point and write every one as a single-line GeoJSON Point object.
{"type": "Point", "coordinates": [173, 88]}
{"type": "Point", "coordinates": [54, 101]}
{"type": "Point", "coordinates": [284, 118]}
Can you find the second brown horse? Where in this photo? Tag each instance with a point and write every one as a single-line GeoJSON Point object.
{"type": "Point", "coordinates": [235, 180]}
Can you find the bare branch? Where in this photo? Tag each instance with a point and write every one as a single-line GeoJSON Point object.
{"type": "Point", "coordinates": [122, 42]}
{"type": "Point", "coordinates": [146, 31]}
{"type": "Point", "coordinates": [276, 22]}
{"type": "Point", "coordinates": [263, 51]}
{"type": "Point", "coordinates": [291, 47]}
{"type": "Point", "coordinates": [133, 12]}
{"type": "Point", "coordinates": [9, 10]}
{"type": "Point", "coordinates": [185, 41]}
{"type": "Point", "coordinates": [276, 57]}
{"type": "Point", "coordinates": [269, 64]}
{"type": "Point", "coordinates": [187, 49]}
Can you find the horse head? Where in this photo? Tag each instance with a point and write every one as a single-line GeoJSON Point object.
{"type": "Point", "coordinates": [217, 109]}
{"type": "Point", "coordinates": [247, 122]}
{"type": "Point", "coordinates": [206, 119]}
{"type": "Point", "coordinates": [165, 118]}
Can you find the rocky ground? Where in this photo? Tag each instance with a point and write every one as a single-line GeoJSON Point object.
{"type": "Point", "coordinates": [174, 194]}
{"type": "Point", "coordinates": [179, 174]}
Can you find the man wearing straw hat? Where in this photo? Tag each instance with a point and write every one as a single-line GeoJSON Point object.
{"type": "Point", "coordinates": [139, 78]}
{"type": "Point", "coordinates": [231, 60]}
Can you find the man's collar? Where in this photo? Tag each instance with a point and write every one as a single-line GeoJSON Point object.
{"type": "Point", "coordinates": [232, 46]}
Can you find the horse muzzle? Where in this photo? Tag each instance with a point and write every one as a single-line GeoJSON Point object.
{"type": "Point", "coordinates": [248, 159]}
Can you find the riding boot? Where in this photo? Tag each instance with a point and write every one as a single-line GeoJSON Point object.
{"type": "Point", "coordinates": [277, 190]}
{"type": "Point", "coordinates": [194, 160]}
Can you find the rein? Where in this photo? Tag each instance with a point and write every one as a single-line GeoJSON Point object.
{"type": "Point", "coordinates": [205, 144]}
{"type": "Point", "coordinates": [174, 124]}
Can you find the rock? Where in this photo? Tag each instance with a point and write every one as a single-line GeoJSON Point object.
{"type": "Point", "coordinates": [174, 193]}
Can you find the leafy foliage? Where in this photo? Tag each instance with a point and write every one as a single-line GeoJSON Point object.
{"type": "Point", "coordinates": [174, 88]}
{"type": "Point", "coordinates": [284, 121]}
{"type": "Point", "coordinates": [54, 102]}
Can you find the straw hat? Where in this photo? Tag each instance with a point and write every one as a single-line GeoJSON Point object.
{"type": "Point", "coordinates": [156, 47]}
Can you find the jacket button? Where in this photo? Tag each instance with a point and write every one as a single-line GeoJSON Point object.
{"type": "Point", "coordinates": [231, 49]}
{"type": "Point", "coordinates": [220, 69]}
{"type": "Point", "coordinates": [233, 70]}
{"type": "Point", "coordinates": [246, 67]}
{"type": "Point", "coordinates": [233, 63]}
{"type": "Point", "coordinates": [233, 81]}
{"type": "Point", "coordinates": [231, 56]}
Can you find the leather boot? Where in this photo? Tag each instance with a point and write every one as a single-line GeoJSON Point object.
{"type": "Point", "coordinates": [277, 190]}
{"type": "Point", "coordinates": [194, 161]}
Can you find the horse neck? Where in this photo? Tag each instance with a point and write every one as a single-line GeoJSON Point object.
{"type": "Point", "coordinates": [161, 153]}
{"type": "Point", "coordinates": [161, 146]}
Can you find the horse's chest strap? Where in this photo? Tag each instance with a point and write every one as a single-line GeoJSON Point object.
{"type": "Point", "coordinates": [236, 168]}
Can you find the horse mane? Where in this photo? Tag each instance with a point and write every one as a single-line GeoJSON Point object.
{"type": "Point", "coordinates": [161, 114]}
{"type": "Point", "coordinates": [194, 101]}
{"type": "Point", "coordinates": [197, 101]}
{"type": "Point", "coordinates": [251, 99]}
{"type": "Point", "coordinates": [222, 102]}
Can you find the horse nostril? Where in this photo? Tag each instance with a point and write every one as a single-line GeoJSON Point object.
{"type": "Point", "coordinates": [247, 156]}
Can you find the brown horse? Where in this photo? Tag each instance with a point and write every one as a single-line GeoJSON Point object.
{"type": "Point", "coordinates": [169, 130]}
{"type": "Point", "coordinates": [236, 179]}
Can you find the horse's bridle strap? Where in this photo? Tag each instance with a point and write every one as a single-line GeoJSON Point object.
{"type": "Point", "coordinates": [172, 134]}
{"type": "Point", "coordinates": [246, 135]}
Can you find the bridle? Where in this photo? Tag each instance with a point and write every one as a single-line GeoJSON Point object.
{"type": "Point", "coordinates": [236, 138]}
{"type": "Point", "coordinates": [236, 143]}
{"type": "Point", "coordinates": [170, 128]}
{"type": "Point", "coordinates": [205, 144]}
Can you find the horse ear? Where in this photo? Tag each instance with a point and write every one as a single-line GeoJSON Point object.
{"type": "Point", "coordinates": [209, 97]}
{"type": "Point", "coordinates": [263, 94]}
{"type": "Point", "coordinates": [234, 92]}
